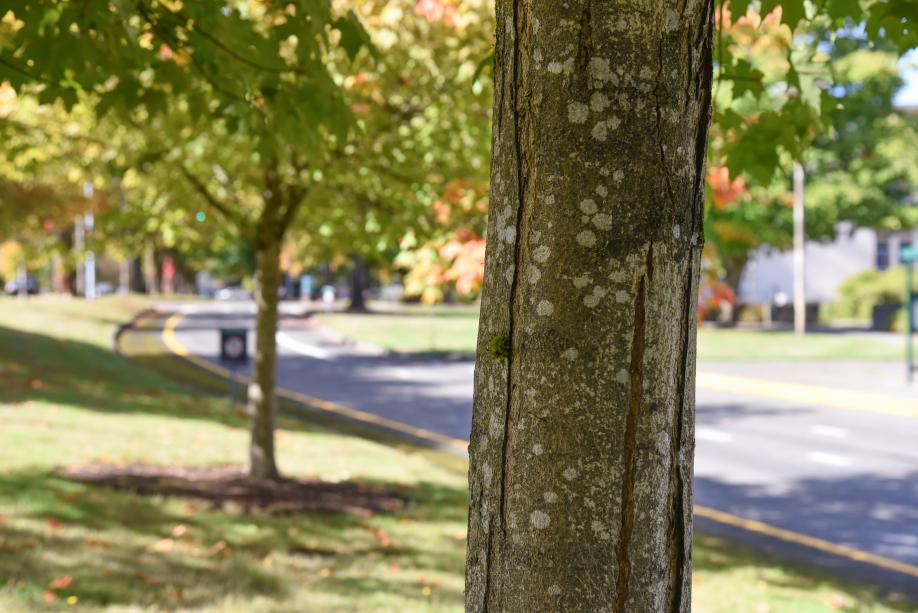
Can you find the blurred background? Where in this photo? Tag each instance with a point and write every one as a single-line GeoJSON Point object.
{"type": "Point", "coordinates": [132, 194]}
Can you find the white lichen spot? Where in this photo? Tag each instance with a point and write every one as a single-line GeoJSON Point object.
{"type": "Point", "coordinates": [618, 175]}
{"type": "Point", "coordinates": [645, 73]}
{"type": "Point", "coordinates": [603, 221]}
{"type": "Point", "coordinates": [586, 238]}
{"type": "Point", "coordinates": [599, 102]}
{"type": "Point", "coordinates": [600, 530]}
{"type": "Point", "coordinates": [569, 473]}
{"type": "Point", "coordinates": [622, 376]}
{"type": "Point", "coordinates": [537, 449]}
{"type": "Point", "coordinates": [588, 206]}
{"type": "Point", "coordinates": [534, 275]}
{"type": "Point", "coordinates": [555, 67]}
{"type": "Point", "coordinates": [599, 69]}
{"type": "Point", "coordinates": [600, 131]}
{"type": "Point", "coordinates": [508, 274]}
{"type": "Point", "coordinates": [677, 231]}
{"type": "Point", "coordinates": [549, 199]}
{"type": "Point", "coordinates": [541, 253]}
{"type": "Point", "coordinates": [595, 298]}
{"type": "Point", "coordinates": [662, 442]}
{"type": "Point", "coordinates": [550, 497]}
{"type": "Point", "coordinates": [554, 590]}
{"type": "Point", "coordinates": [509, 234]}
{"type": "Point", "coordinates": [487, 473]}
{"type": "Point", "coordinates": [539, 520]}
{"type": "Point", "coordinates": [569, 354]}
{"type": "Point", "coordinates": [602, 190]}
{"type": "Point", "coordinates": [545, 308]}
{"type": "Point", "coordinates": [582, 281]}
{"type": "Point", "coordinates": [621, 296]}
{"type": "Point", "coordinates": [577, 112]}
{"type": "Point", "coordinates": [613, 122]}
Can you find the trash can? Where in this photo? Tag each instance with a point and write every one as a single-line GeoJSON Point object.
{"type": "Point", "coordinates": [234, 345]}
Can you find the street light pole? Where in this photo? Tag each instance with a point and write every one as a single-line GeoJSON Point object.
{"type": "Point", "coordinates": [89, 222]}
{"type": "Point", "coordinates": [799, 252]}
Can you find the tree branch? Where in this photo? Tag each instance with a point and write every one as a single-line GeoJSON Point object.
{"type": "Point", "coordinates": [213, 201]}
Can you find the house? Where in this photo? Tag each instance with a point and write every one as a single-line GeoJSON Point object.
{"type": "Point", "coordinates": [769, 275]}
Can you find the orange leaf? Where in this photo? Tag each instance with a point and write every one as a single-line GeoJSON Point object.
{"type": "Point", "coordinates": [49, 596]}
{"type": "Point", "coordinates": [61, 582]}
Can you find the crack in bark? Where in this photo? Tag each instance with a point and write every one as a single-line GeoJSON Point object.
{"type": "Point", "coordinates": [629, 460]}
{"type": "Point", "coordinates": [520, 29]}
{"type": "Point", "coordinates": [585, 39]}
{"type": "Point", "coordinates": [701, 136]}
{"type": "Point", "coordinates": [659, 114]}
{"type": "Point", "coordinates": [677, 517]}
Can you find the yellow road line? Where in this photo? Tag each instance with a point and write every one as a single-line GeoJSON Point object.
{"type": "Point", "coordinates": [176, 347]}
{"type": "Point", "coordinates": [812, 542]}
{"type": "Point", "coordinates": [750, 525]}
{"type": "Point", "coordinates": [835, 398]}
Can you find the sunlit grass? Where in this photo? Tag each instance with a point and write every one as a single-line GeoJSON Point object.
{"type": "Point", "coordinates": [67, 399]}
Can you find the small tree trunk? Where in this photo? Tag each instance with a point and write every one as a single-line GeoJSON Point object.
{"type": "Point", "coordinates": [23, 273]}
{"type": "Point", "coordinates": [358, 285]}
{"type": "Point", "coordinates": [583, 427]}
{"type": "Point", "coordinates": [262, 397]}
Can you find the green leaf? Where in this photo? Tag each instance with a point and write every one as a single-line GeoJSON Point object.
{"type": "Point", "coordinates": [793, 11]}
{"type": "Point", "coordinates": [353, 35]}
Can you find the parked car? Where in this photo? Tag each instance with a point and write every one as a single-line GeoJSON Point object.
{"type": "Point", "coordinates": [233, 293]}
{"type": "Point", "coordinates": [12, 287]}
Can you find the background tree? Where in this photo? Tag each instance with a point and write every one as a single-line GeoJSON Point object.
{"type": "Point", "coordinates": [236, 100]}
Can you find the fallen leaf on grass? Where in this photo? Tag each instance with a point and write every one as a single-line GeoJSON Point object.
{"type": "Point", "coordinates": [179, 530]}
{"type": "Point", "coordinates": [49, 596]}
{"type": "Point", "coordinates": [100, 543]}
{"type": "Point", "coordinates": [55, 524]}
{"type": "Point", "coordinates": [836, 602]}
{"type": "Point", "coordinates": [61, 582]}
{"type": "Point", "coordinates": [325, 572]}
{"type": "Point", "coordinates": [218, 547]}
{"type": "Point", "coordinates": [71, 600]}
{"type": "Point", "coordinates": [148, 579]}
{"type": "Point", "coordinates": [163, 546]}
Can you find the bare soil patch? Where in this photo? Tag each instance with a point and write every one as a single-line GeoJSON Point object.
{"type": "Point", "coordinates": [230, 488]}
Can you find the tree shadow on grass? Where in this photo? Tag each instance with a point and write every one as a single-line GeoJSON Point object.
{"type": "Point", "coordinates": [121, 548]}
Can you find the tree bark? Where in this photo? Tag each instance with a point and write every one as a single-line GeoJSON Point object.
{"type": "Point", "coordinates": [358, 285]}
{"type": "Point", "coordinates": [583, 429]}
{"type": "Point", "coordinates": [262, 397]}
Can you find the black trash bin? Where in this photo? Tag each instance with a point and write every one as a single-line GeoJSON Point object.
{"type": "Point", "coordinates": [234, 345]}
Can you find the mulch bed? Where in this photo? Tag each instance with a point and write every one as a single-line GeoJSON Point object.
{"type": "Point", "coordinates": [228, 487]}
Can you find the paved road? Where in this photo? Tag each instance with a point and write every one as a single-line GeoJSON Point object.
{"type": "Point", "coordinates": [846, 477]}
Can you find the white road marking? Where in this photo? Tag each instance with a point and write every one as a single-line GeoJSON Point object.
{"type": "Point", "coordinates": [831, 459]}
{"type": "Point", "coordinates": [710, 434]}
{"type": "Point", "coordinates": [829, 431]}
{"type": "Point", "coordinates": [288, 342]}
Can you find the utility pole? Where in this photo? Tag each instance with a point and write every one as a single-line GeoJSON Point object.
{"type": "Point", "coordinates": [89, 221]}
{"type": "Point", "coordinates": [79, 243]}
{"type": "Point", "coordinates": [799, 252]}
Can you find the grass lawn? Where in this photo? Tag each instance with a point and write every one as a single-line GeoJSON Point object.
{"type": "Point", "coordinates": [410, 328]}
{"type": "Point", "coordinates": [66, 399]}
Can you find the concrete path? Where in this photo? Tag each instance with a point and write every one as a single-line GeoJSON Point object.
{"type": "Point", "coordinates": [834, 485]}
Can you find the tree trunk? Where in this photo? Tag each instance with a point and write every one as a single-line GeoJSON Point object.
{"type": "Point", "coordinates": [358, 285]}
{"type": "Point", "coordinates": [733, 269]}
{"type": "Point", "coordinates": [583, 429]}
{"type": "Point", "coordinates": [262, 396]}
